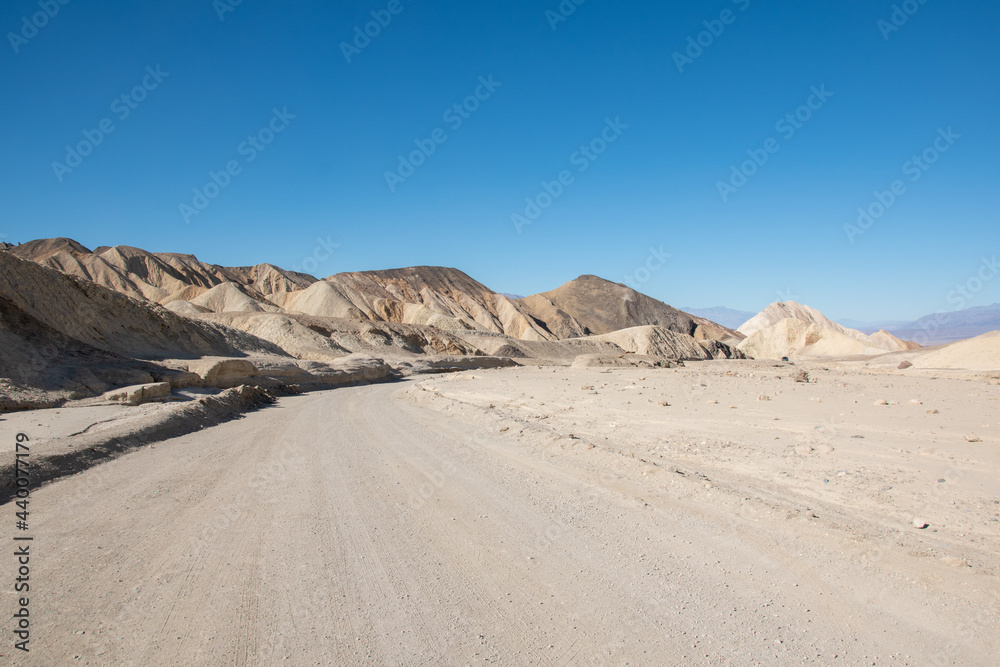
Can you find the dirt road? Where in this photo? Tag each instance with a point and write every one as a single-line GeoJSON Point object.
{"type": "Point", "coordinates": [355, 527]}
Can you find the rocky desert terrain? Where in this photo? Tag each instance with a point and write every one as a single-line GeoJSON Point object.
{"type": "Point", "coordinates": [247, 465]}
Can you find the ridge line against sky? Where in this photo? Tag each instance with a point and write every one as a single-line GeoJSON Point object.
{"type": "Point", "coordinates": [733, 152]}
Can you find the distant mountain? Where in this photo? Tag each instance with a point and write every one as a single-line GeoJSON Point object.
{"type": "Point", "coordinates": [428, 295]}
{"type": "Point", "coordinates": [591, 305]}
{"type": "Point", "coordinates": [789, 329]}
{"type": "Point", "coordinates": [727, 317]}
{"type": "Point", "coordinates": [942, 328]}
{"type": "Point", "coordinates": [441, 298]}
{"type": "Point", "coordinates": [160, 277]}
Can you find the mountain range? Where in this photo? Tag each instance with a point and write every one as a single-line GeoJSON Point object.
{"type": "Point", "coordinates": [933, 329]}
{"type": "Point", "coordinates": [75, 321]}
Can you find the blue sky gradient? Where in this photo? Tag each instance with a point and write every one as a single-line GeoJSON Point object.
{"type": "Point", "coordinates": [781, 234]}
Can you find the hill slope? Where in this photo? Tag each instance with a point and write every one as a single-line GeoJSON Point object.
{"type": "Point", "coordinates": [430, 295]}
{"type": "Point", "coordinates": [115, 323]}
{"type": "Point", "coordinates": [592, 305]}
{"type": "Point", "coordinates": [157, 277]}
{"type": "Point", "coordinates": [786, 329]}
{"type": "Point", "coordinates": [439, 297]}
{"type": "Point", "coordinates": [947, 327]}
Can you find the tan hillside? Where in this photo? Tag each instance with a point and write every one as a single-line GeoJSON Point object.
{"type": "Point", "coordinates": [601, 306]}
{"type": "Point", "coordinates": [981, 353]}
{"type": "Point", "coordinates": [652, 341]}
{"type": "Point", "coordinates": [887, 341]}
{"type": "Point", "coordinates": [232, 298]}
{"type": "Point", "coordinates": [781, 310]}
{"type": "Point", "coordinates": [36, 359]}
{"type": "Point", "coordinates": [433, 296]}
{"type": "Point", "coordinates": [793, 338]}
{"type": "Point", "coordinates": [113, 322]}
{"type": "Point", "coordinates": [786, 329]}
{"type": "Point", "coordinates": [158, 277]}
{"type": "Point", "coordinates": [394, 313]}
{"type": "Point", "coordinates": [559, 323]}
{"type": "Point", "coordinates": [598, 306]}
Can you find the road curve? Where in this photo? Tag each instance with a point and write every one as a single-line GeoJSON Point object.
{"type": "Point", "coordinates": [353, 527]}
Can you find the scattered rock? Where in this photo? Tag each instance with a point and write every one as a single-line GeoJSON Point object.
{"type": "Point", "coordinates": [972, 437]}
{"type": "Point", "coordinates": [138, 394]}
{"type": "Point", "coordinates": [955, 562]}
{"type": "Point", "coordinates": [763, 397]}
{"type": "Point", "coordinates": [587, 387]}
{"type": "Point", "coordinates": [505, 429]}
{"type": "Point", "coordinates": [881, 401]}
{"type": "Point", "coordinates": [224, 373]}
{"type": "Point", "coordinates": [920, 524]}
{"type": "Point", "coordinates": [800, 376]}
{"type": "Point", "coordinates": [931, 412]}
{"type": "Point", "coordinates": [916, 401]}
{"type": "Point", "coordinates": [713, 403]}
{"type": "Point", "coordinates": [903, 365]}
{"type": "Point", "coordinates": [665, 404]}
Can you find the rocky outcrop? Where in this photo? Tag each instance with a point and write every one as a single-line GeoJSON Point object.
{"type": "Point", "coordinates": [139, 394]}
{"type": "Point", "coordinates": [623, 361]}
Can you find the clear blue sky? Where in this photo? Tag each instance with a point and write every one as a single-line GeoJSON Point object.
{"type": "Point", "coordinates": [781, 233]}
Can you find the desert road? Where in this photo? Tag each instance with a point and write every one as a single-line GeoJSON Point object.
{"type": "Point", "coordinates": [358, 527]}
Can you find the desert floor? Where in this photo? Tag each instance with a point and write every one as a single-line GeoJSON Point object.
{"type": "Point", "coordinates": [719, 513]}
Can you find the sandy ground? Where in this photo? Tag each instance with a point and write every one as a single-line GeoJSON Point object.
{"type": "Point", "coordinates": [519, 517]}
{"type": "Point", "coordinates": [48, 426]}
{"type": "Point", "coordinates": [52, 424]}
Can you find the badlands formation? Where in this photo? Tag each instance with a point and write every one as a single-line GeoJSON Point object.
{"type": "Point", "coordinates": [582, 476]}
{"type": "Point", "coordinates": [791, 329]}
{"type": "Point", "coordinates": [79, 322]}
